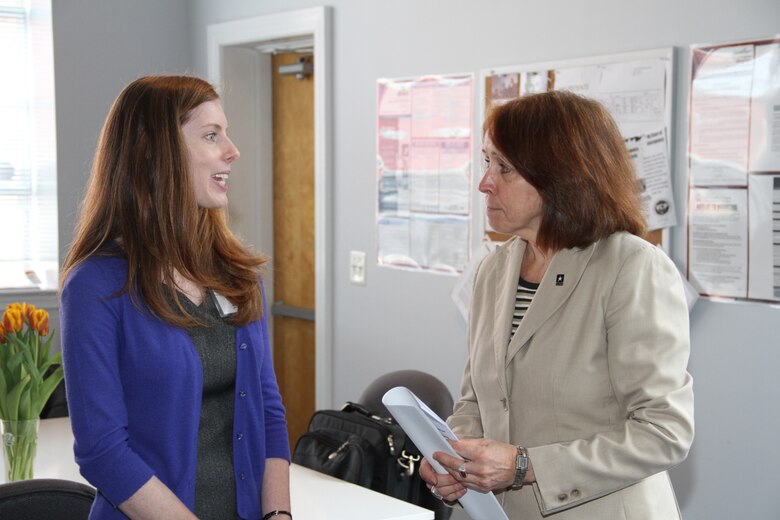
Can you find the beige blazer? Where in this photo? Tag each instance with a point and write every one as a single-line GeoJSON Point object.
{"type": "Point", "coordinates": [593, 383]}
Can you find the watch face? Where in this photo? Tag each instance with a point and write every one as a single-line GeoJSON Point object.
{"type": "Point", "coordinates": [521, 461]}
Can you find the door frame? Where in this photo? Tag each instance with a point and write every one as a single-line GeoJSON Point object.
{"type": "Point", "coordinates": [314, 22]}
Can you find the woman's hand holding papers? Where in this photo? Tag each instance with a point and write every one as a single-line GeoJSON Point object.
{"type": "Point", "coordinates": [441, 484]}
{"type": "Point", "coordinates": [483, 465]}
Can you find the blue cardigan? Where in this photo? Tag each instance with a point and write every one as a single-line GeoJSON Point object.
{"type": "Point", "coordinates": [134, 386]}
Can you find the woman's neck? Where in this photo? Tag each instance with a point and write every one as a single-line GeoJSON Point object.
{"type": "Point", "coordinates": [534, 263]}
{"type": "Point", "coordinates": [188, 288]}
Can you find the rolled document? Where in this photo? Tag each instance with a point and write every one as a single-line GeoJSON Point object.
{"type": "Point", "coordinates": [430, 433]}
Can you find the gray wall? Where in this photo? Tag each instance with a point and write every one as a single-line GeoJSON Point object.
{"type": "Point", "coordinates": [99, 47]}
{"type": "Point", "coordinates": [401, 320]}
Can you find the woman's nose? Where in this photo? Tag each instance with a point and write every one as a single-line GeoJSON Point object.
{"type": "Point", "coordinates": [232, 151]}
{"type": "Point", "coordinates": [486, 183]}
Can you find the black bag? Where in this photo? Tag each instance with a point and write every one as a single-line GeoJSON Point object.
{"type": "Point", "coordinates": [357, 446]}
{"type": "Point", "coordinates": [336, 453]}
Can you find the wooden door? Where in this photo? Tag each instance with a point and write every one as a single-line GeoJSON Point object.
{"type": "Point", "coordinates": [293, 192]}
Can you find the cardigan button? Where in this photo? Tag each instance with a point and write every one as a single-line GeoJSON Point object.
{"type": "Point", "coordinates": [239, 436]}
{"type": "Point", "coordinates": [242, 346]}
{"type": "Point", "coordinates": [242, 476]}
{"type": "Point", "coordinates": [242, 393]}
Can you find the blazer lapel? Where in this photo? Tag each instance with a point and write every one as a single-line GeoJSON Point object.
{"type": "Point", "coordinates": [558, 283]}
{"type": "Point", "coordinates": [505, 279]}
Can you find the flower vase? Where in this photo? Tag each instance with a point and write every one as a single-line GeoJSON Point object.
{"type": "Point", "coordinates": [20, 440]}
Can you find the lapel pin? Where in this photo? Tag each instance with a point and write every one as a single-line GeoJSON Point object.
{"type": "Point", "coordinates": [558, 279]}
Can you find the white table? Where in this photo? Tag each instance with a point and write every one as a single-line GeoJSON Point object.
{"type": "Point", "coordinates": [314, 496]}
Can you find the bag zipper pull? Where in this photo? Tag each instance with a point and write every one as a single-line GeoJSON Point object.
{"type": "Point", "coordinates": [339, 450]}
{"type": "Point", "coordinates": [391, 444]}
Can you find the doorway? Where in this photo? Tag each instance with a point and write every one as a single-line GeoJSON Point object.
{"type": "Point", "coordinates": [293, 310]}
{"type": "Point", "coordinates": [239, 64]}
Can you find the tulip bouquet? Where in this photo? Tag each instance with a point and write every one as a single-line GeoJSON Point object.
{"type": "Point", "coordinates": [25, 387]}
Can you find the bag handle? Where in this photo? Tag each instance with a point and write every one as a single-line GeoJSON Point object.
{"type": "Point", "coordinates": [350, 406]}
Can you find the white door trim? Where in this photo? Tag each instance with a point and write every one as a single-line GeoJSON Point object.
{"type": "Point", "coordinates": [315, 22]}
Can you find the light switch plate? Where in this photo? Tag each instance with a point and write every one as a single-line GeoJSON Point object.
{"type": "Point", "coordinates": [357, 267]}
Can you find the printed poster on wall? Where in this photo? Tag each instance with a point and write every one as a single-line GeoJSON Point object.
{"type": "Point", "coordinates": [734, 170]}
{"type": "Point", "coordinates": [424, 157]}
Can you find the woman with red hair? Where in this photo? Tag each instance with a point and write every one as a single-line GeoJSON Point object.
{"type": "Point", "coordinates": [575, 398]}
{"type": "Point", "coordinates": [170, 383]}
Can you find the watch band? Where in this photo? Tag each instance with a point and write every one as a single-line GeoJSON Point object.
{"type": "Point", "coordinates": [521, 467]}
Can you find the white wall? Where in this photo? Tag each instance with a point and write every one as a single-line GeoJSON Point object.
{"type": "Point", "coordinates": [401, 320]}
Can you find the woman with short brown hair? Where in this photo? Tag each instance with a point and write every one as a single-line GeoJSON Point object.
{"type": "Point", "coordinates": [575, 397]}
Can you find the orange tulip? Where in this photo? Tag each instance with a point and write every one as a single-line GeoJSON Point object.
{"type": "Point", "coordinates": [21, 306]}
{"type": "Point", "coordinates": [39, 321]}
{"type": "Point", "coordinates": [28, 309]}
{"type": "Point", "coordinates": [13, 319]}
{"type": "Point", "coordinates": [2, 334]}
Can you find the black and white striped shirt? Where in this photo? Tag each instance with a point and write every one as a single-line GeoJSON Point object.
{"type": "Point", "coordinates": [525, 293]}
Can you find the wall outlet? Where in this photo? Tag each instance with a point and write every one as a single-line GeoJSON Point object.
{"type": "Point", "coordinates": [357, 267]}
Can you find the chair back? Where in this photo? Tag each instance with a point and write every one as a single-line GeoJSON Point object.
{"type": "Point", "coordinates": [425, 386]}
{"type": "Point", "coordinates": [45, 499]}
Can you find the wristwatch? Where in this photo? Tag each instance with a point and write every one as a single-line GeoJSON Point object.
{"type": "Point", "coordinates": [521, 467]}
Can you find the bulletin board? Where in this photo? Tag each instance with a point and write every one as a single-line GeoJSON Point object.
{"type": "Point", "coordinates": [635, 87]}
{"type": "Point", "coordinates": [734, 170]}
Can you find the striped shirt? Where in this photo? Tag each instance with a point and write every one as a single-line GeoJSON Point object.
{"type": "Point", "coordinates": [525, 293]}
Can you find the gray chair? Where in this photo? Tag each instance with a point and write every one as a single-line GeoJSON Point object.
{"type": "Point", "coordinates": [45, 499]}
{"type": "Point", "coordinates": [431, 391]}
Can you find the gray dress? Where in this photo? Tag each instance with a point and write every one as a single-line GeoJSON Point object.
{"type": "Point", "coordinates": [215, 486]}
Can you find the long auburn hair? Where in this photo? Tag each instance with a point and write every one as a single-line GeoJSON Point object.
{"type": "Point", "coordinates": [569, 148]}
{"type": "Point", "coordinates": [140, 198]}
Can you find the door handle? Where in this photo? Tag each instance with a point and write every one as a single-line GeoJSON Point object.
{"type": "Point", "coordinates": [282, 310]}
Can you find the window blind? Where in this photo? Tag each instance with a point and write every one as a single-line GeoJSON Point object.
{"type": "Point", "coordinates": [28, 173]}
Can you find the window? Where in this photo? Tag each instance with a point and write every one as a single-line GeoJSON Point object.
{"type": "Point", "coordinates": [28, 170]}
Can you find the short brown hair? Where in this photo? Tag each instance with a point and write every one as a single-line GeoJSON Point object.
{"type": "Point", "coordinates": [140, 193]}
{"type": "Point", "coordinates": [570, 149]}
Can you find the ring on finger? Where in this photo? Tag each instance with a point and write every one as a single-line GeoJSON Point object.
{"type": "Point", "coordinates": [435, 493]}
{"type": "Point", "coordinates": [462, 471]}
